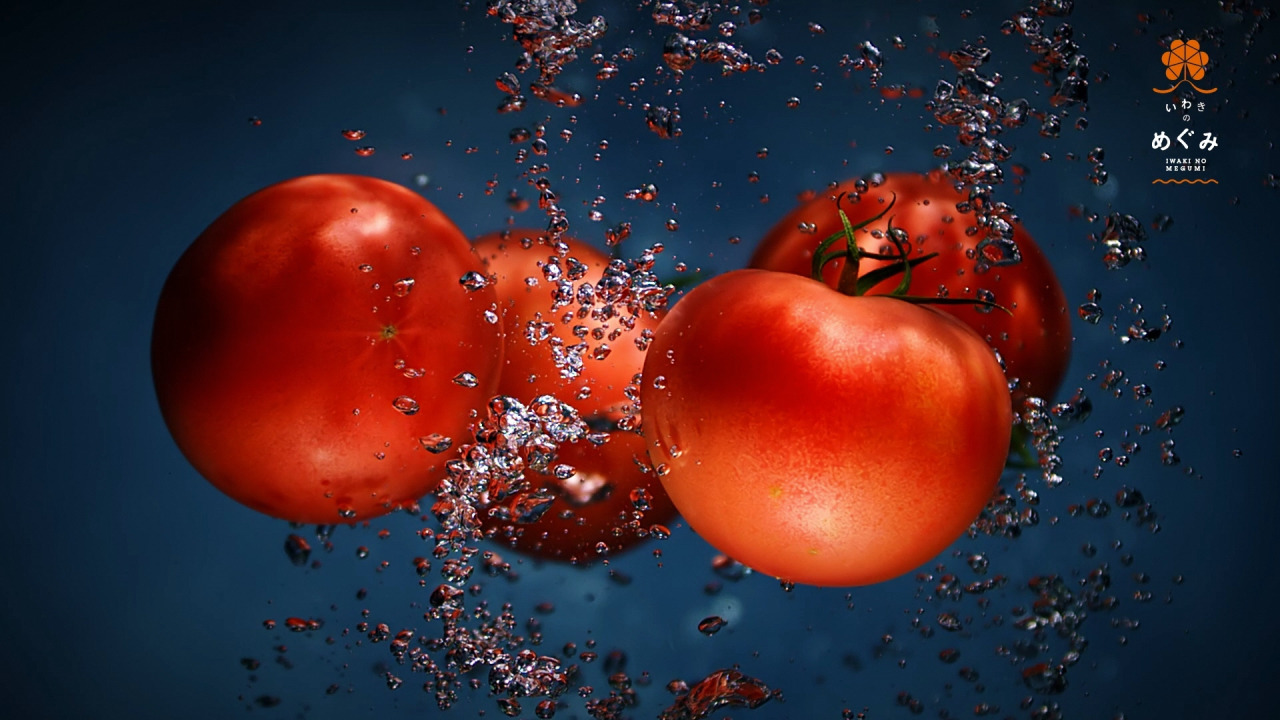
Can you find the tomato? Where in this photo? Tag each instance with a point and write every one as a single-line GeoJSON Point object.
{"type": "Point", "coordinates": [822, 438]}
{"type": "Point", "coordinates": [1034, 341]}
{"type": "Point", "coordinates": [306, 346]}
{"type": "Point", "coordinates": [613, 498]}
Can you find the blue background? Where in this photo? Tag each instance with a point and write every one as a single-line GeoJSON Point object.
{"type": "Point", "coordinates": [134, 589]}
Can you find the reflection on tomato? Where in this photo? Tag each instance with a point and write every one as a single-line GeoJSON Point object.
{"type": "Point", "coordinates": [822, 438]}
{"type": "Point", "coordinates": [1035, 341]}
{"type": "Point", "coordinates": [613, 499]}
{"type": "Point", "coordinates": [306, 347]}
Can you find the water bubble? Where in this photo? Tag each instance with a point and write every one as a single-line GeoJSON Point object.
{"type": "Point", "coordinates": [949, 621]}
{"type": "Point", "coordinates": [1171, 417]}
{"type": "Point", "coordinates": [403, 286]}
{"type": "Point", "coordinates": [712, 625]}
{"type": "Point", "coordinates": [647, 192]}
{"type": "Point", "coordinates": [406, 405]}
{"type": "Point", "coordinates": [679, 52]}
{"type": "Point", "coordinates": [719, 689]}
{"type": "Point", "coordinates": [663, 121]}
{"type": "Point", "coordinates": [298, 550]}
{"type": "Point", "coordinates": [466, 379]}
{"type": "Point", "coordinates": [1122, 240]}
{"type": "Point", "coordinates": [473, 281]}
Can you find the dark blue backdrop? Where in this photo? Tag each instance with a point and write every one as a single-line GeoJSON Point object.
{"type": "Point", "coordinates": [134, 589]}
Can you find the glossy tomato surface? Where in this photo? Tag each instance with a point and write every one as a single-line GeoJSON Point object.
{"type": "Point", "coordinates": [306, 346]}
{"type": "Point", "coordinates": [821, 438]}
{"type": "Point", "coordinates": [1034, 341]}
{"type": "Point", "coordinates": [613, 499]}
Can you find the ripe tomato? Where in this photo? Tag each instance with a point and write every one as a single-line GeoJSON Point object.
{"type": "Point", "coordinates": [306, 346]}
{"type": "Point", "coordinates": [822, 438]}
{"type": "Point", "coordinates": [1035, 341]}
{"type": "Point", "coordinates": [598, 504]}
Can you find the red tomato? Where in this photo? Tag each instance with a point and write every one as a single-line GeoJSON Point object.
{"type": "Point", "coordinates": [1035, 341]}
{"type": "Point", "coordinates": [306, 347]}
{"type": "Point", "coordinates": [822, 438]}
{"type": "Point", "coordinates": [597, 508]}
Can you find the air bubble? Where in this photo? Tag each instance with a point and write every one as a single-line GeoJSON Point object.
{"type": "Point", "coordinates": [712, 625]}
{"type": "Point", "coordinates": [406, 405]}
{"type": "Point", "coordinates": [473, 281]}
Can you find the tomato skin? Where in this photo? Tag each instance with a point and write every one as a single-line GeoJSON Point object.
{"type": "Point", "coordinates": [821, 438]}
{"type": "Point", "coordinates": [1035, 341]}
{"type": "Point", "coordinates": [594, 506]}
{"type": "Point", "coordinates": [278, 337]}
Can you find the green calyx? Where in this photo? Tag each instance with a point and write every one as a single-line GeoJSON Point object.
{"type": "Point", "coordinates": [858, 285]}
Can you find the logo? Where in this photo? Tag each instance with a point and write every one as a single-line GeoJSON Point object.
{"type": "Point", "coordinates": [1184, 63]}
{"type": "Point", "coordinates": [1184, 152]}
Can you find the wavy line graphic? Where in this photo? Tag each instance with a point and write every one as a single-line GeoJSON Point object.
{"type": "Point", "coordinates": [1185, 181]}
{"type": "Point", "coordinates": [1173, 87]}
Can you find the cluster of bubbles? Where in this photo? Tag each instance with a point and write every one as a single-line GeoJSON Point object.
{"type": "Point", "coordinates": [479, 646]}
{"type": "Point", "coordinates": [973, 106]}
{"type": "Point", "coordinates": [551, 37]}
{"type": "Point", "coordinates": [601, 312]}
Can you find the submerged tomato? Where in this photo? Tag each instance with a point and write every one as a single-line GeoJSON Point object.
{"type": "Point", "coordinates": [1034, 341]}
{"type": "Point", "coordinates": [612, 500]}
{"type": "Point", "coordinates": [306, 346]}
{"type": "Point", "coordinates": [822, 438]}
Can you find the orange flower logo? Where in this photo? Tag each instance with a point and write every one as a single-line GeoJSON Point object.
{"type": "Point", "coordinates": [1185, 57]}
{"type": "Point", "coordinates": [1185, 62]}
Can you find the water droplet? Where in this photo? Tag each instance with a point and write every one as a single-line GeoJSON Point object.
{"type": "Point", "coordinates": [406, 405]}
{"type": "Point", "coordinates": [402, 286]}
{"type": "Point", "coordinates": [466, 379]}
{"type": "Point", "coordinates": [298, 550]}
{"type": "Point", "coordinates": [473, 281]}
{"type": "Point", "coordinates": [353, 134]}
{"type": "Point", "coordinates": [949, 621]}
{"type": "Point", "coordinates": [720, 688]}
{"type": "Point", "coordinates": [435, 443]}
{"type": "Point", "coordinates": [712, 625]}
{"type": "Point", "coordinates": [366, 150]}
